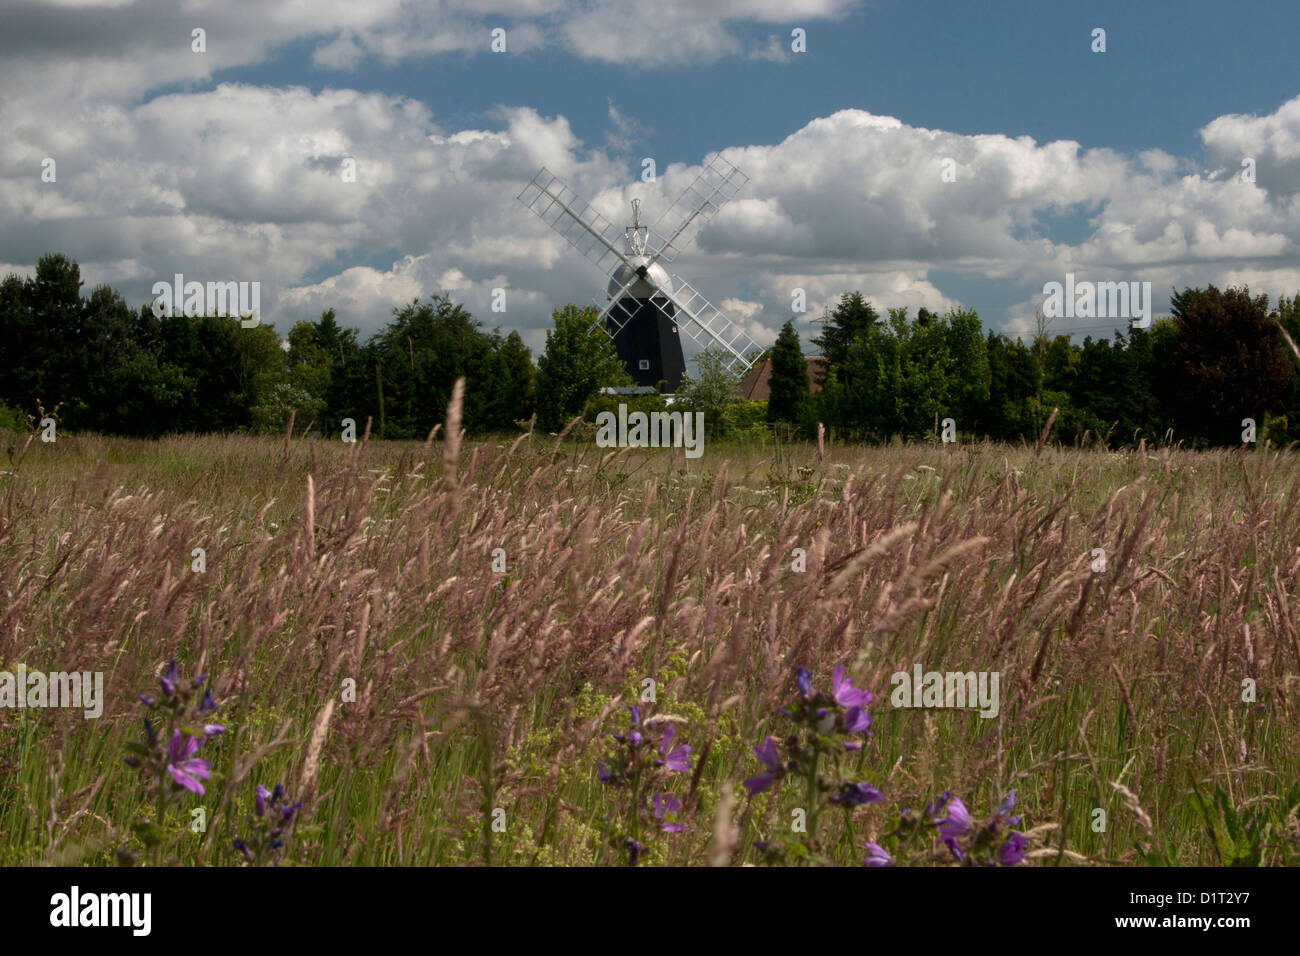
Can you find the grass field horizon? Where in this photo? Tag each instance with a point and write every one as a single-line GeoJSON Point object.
{"type": "Point", "coordinates": [365, 650]}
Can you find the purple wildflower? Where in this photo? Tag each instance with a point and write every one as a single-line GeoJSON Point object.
{"type": "Point", "coordinates": [664, 804]}
{"type": "Point", "coordinates": [633, 850]}
{"type": "Point", "coordinates": [636, 715]}
{"type": "Point", "coordinates": [207, 703]}
{"type": "Point", "coordinates": [957, 822]}
{"type": "Point", "coordinates": [147, 700]}
{"type": "Point", "coordinates": [803, 677]}
{"type": "Point", "coordinates": [259, 799]}
{"type": "Point", "coordinates": [767, 755]}
{"type": "Point", "coordinates": [675, 758]}
{"type": "Point", "coordinates": [1004, 812]}
{"type": "Point", "coordinates": [856, 794]}
{"type": "Point", "coordinates": [876, 856]}
{"type": "Point", "coordinates": [1012, 850]}
{"type": "Point", "coordinates": [956, 850]}
{"type": "Point", "coordinates": [168, 681]}
{"type": "Point", "coordinates": [211, 730]}
{"type": "Point", "coordinates": [185, 771]}
{"type": "Point", "coordinates": [846, 695]}
{"type": "Point", "coordinates": [242, 847]}
{"type": "Point", "coordinates": [856, 721]}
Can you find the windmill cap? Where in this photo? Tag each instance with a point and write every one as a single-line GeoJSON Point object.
{"type": "Point", "coordinates": [640, 289]}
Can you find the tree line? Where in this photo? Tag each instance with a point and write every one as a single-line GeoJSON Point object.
{"type": "Point", "coordinates": [1221, 357]}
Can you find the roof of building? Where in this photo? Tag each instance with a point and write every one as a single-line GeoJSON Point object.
{"type": "Point", "coordinates": [756, 387]}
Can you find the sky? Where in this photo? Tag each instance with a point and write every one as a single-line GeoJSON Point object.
{"type": "Point", "coordinates": [925, 153]}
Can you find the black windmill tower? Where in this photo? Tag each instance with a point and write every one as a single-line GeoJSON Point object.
{"type": "Point", "coordinates": [647, 308]}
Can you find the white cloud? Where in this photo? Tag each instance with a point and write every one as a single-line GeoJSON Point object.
{"type": "Point", "coordinates": [740, 309]}
{"type": "Point", "coordinates": [1273, 141]}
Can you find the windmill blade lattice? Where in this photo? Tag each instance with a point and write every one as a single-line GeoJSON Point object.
{"type": "Point", "coordinates": [573, 218]}
{"type": "Point", "coordinates": [699, 202]}
{"type": "Point", "coordinates": [615, 313]}
{"type": "Point", "coordinates": [708, 326]}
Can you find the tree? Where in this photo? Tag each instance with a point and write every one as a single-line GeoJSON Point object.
{"type": "Point", "coordinates": [861, 397]}
{"type": "Point", "coordinates": [1153, 383]}
{"type": "Point", "coordinates": [1233, 363]}
{"type": "Point", "coordinates": [1014, 382]}
{"type": "Point", "coordinates": [41, 324]}
{"type": "Point", "coordinates": [715, 392]}
{"type": "Point", "coordinates": [350, 389]}
{"type": "Point", "coordinates": [220, 363]}
{"type": "Point", "coordinates": [1288, 317]}
{"type": "Point", "coordinates": [514, 397]}
{"type": "Point", "coordinates": [970, 378]}
{"type": "Point", "coordinates": [788, 384]}
{"type": "Point", "coordinates": [281, 402]}
{"type": "Point", "coordinates": [122, 387]}
{"type": "Point", "coordinates": [842, 325]}
{"type": "Point", "coordinates": [922, 398]}
{"type": "Point", "coordinates": [418, 358]}
{"type": "Point", "coordinates": [577, 363]}
{"type": "Point", "coordinates": [1059, 359]}
{"type": "Point", "coordinates": [901, 376]}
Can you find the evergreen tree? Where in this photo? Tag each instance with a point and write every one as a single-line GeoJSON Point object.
{"type": "Point", "coordinates": [842, 325]}
{"type": "Point", "coordinates": [788, 382]}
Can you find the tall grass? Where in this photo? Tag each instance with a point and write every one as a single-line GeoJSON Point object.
{"type": "Point", "coordinates": [372, 563]}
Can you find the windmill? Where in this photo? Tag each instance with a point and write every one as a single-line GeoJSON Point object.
{"type": "Point", "coordinates": [647, 309]}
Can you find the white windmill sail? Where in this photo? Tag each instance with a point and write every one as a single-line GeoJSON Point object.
{"type": "Point", "coordinates": [698, 203]}
{"type": "Point", "coordinates": [573, 218]}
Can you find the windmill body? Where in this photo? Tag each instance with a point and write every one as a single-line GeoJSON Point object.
{"type": "Point", "coordinates": [647, 342]}
{"type": "Point", "coordinates": [648, 309]}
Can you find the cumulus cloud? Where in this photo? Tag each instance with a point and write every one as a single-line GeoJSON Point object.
{"type": "Point", "coordinates": [1272, 141]}
{"type": "Point", "coordinates": [361, 287]}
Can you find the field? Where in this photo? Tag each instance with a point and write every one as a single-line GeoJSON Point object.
{"type": "Point", "coordinates": [426, 708]}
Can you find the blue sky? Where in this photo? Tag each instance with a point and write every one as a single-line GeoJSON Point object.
{"type": "Point", "coordinates": [211, 164]}
{"type": "Point", "coordinates": [1019, 68]}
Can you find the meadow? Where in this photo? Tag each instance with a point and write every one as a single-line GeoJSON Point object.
{"type": "Point", "coordinates": [426, 699]}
